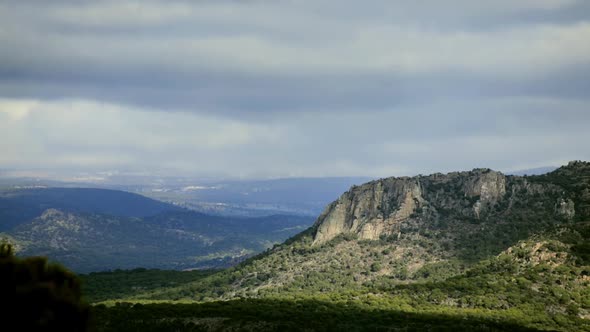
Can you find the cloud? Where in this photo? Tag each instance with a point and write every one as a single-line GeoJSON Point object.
{"type": "Point", "coordinates": [115, 13]}
{"type": "Point", "coordinates": [77, 134]}
{"type": "Point", "coordinates": [91, 134]}
{"type": "Point", "coordinates": [260, 57]}
{"type": "Point", "coordinates": [357, 48]}
{"type": "Point", "coordinates": [271, 88]}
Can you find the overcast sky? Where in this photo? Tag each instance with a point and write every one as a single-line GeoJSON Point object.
{"type": "Point", "coordinates": [262, 89]}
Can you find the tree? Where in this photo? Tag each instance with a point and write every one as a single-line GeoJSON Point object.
{"type": "Point", "coordinates": [6, 250]}
{"type": "Point", "coordinates": [38, 296]}
{"type": "Point", "coordinates": [375, 267]}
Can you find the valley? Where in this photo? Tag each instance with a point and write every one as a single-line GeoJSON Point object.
{"type": "Point", "coordinates": [96, 230]}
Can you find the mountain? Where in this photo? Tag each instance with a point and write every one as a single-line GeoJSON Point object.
{"type": "Point", "coordinates": [540, 284]}
{"type": "Point", "coordinates": [454, 208]}
{"type": "Point", "coordinates": [95, 229]}
{"type": "Point", "coordinates": [22, 205]}
{"type": "Point", "coordinates": [464, 244]}
{"type": "Point", "coordinates": [88, 242]}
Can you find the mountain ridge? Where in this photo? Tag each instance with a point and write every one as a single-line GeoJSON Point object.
{"type": "Point", "coordinates": [21, 205]}
{"type": "Point", "coordinates": [424, 248]}
{"type": "Point", "coordinates": [381, 207]}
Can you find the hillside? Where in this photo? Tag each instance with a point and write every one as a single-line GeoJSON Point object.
{"type": "Point", "coordinates": [542, 283]}
{"type": "Point", "coordinates": [21, 205]}
{"type": "Point", "coordinates": [509, 248]}
{"type": "Point", "coordinates": [174, 240]}
{"type": "Point", "coordinates": [421, 228]}
{"type": "Point", "coordinates": [95, 230]}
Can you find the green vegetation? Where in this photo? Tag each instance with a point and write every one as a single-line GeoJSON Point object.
{"type": "Point", "coordinates": [539, 284]}
{"type": "Point", "coordinates": [88, 242]}
{"type": "Point", "coordinates": [520, 262]}
{"type": "Point", "coordinates": [293, 315]}
{"type": "Point", "coordinates": [101, 286]}
{"type": "Point", "coordinates": [575, 180]}
{"type": "Point", "coordinates": [37, 296]}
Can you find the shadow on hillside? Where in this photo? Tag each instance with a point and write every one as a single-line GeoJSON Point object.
{"type": "Point", "coordinates": [38, 296]}
{"type": "Point", "coordinates": [284, 315]}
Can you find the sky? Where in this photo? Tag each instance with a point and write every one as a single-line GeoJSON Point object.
{"type": "Point", "coordinates": [293, 88]}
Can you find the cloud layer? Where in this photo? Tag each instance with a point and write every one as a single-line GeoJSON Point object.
{"type": "Point", "coordinates": [294, 88]}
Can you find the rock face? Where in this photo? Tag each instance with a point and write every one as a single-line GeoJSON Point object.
{"type": "Point", "coordinates": [371, 210]}
{"type": "Point", "coordinates": [565, 208]}
{"type": "Point", "coordinates": [383, 208]}
{"type": "Point", "coordinates": [379, 208]}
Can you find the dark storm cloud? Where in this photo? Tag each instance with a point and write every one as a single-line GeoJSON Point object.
{"type": "Point", "coordinates": [237, 94]}
{"type": "Point", "coordinates": [199, 55]}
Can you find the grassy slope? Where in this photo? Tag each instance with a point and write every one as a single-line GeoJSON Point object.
{"type": "Point", "coordinates": [541, 283]}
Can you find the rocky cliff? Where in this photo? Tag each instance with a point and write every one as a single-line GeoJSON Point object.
{"type": "Point", "coordinates": [384, 207]}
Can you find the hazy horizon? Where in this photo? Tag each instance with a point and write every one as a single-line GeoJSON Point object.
{"type": "Point", "coordinates": [148, 178]}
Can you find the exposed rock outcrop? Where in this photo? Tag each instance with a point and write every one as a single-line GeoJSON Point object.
{"type": "Point", "coordinates": [384, 207]}
{"type": "Point", "coordinates": [565, 208]}
{"type": "Point", "coordinates": [371, 210]}
{"type": "Point", "coordinates": [378, 208]}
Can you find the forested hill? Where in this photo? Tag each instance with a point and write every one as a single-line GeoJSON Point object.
{"type": "Point", "coordinates": [21, 205]}
{"type": "Point", "coordinates": [95, 230]}
{"type": "Point", "coordinates": [464, 243]}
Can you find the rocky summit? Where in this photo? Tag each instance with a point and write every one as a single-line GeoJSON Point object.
{"type": "Point", "coordinates": [385, 207]}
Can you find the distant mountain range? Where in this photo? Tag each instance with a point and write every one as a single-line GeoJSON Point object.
{"type": "Point", "coordinates": [534, 171]}
{"type": "Point", "coordinates": [21, 205]}
{"type": "Point", "coordinates": [98, 229]}
{"type": "Point", "coordinates": [301, 196]}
